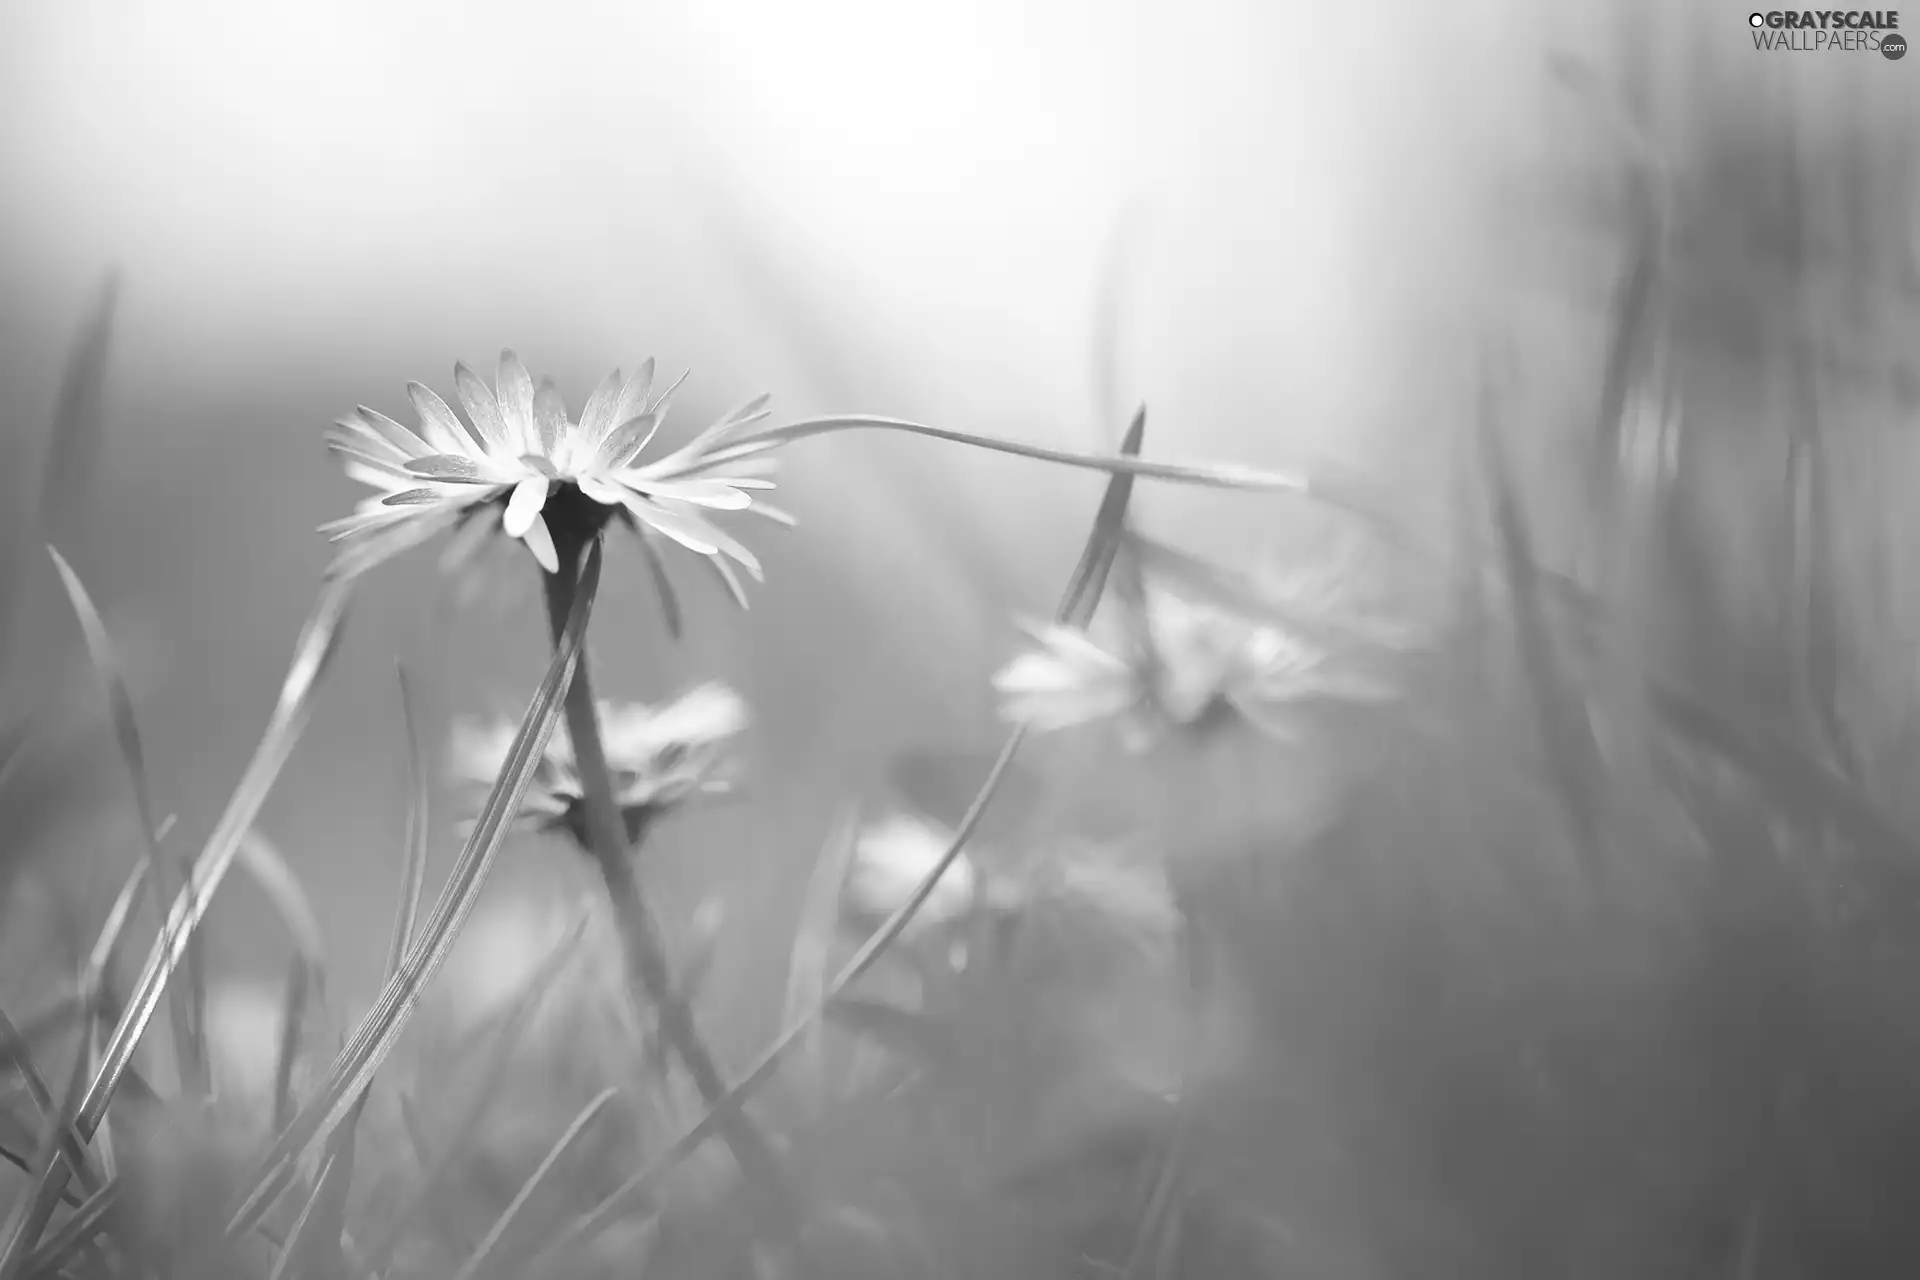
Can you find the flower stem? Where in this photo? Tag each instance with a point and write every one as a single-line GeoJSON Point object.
{"type": "Point", "coordinates": [769, 1195]}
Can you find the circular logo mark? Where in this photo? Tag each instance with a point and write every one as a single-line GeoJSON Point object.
{"type": "Point", "coordinates": [1894, 47]}
{"type": "Point", "coordinates": [1756, 19]}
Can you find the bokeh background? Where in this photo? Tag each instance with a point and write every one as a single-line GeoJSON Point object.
{"type": "Point", "coordinates": [1306, 236]}
{"type": "Point", "coordinates": [925, 211]}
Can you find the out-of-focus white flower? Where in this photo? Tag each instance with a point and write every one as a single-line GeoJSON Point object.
{"type": "Point", "coordinates": [519, 462]}
{"type": "Point", "coordinates": [892, 856]}
{"type": "Point", "coordinates": [1186, 665]}
{"type": "Point", "coordinates": [658, 757]}
{"type": "Point", "coordinates": [244, 1026]}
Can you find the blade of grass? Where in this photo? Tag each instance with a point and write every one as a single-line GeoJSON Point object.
{"type": "Point", "coordinates": [478, 1265]}
{"type": "Point", "coordinates": [18, 1040]}
{"type": "Point", "coordinates": [1096, 562]}
{"type": "Point", "coordinates": [311, 653]}
{"type": "Point", "coordinates": [506, 1039]}
{"type": "Point", "coordinates": [1345, 495]}
{"type": "Point", "coordinates": [819, 925]}
{"type": "Point", "coordinates": [24, 1163]}
{"type": "Point", "coordinates": [1076, 607]}
{"type": "Point", "coordinates": [73, 443]}
{"type": "Point", "coordinates": [1572, 756]}
{"type": "Point", "coordinates": [44, 1102]}
{"type": "Point", "coordinates": [269, 869]}
{"type": "Point", "coordinates": [374, 1039]}
{"type": "Point", "coordinates": [79, 422]}
{"type": "Point", "coordinates": [51, 1163]}
{"type": "Point", "coordinates": [300, 1250]}
{"type": "Point", "coordinates": [1780, 767]}
{"type": "Point", "coordinates": [86, 1221]}
{"type": "Point", "coordinates": [322, 1223]}
{"type": "Point", "coordinates": [186, 1000]}
{"type": "Point", "coordinates": [293, 1013]}
{"type": "Point", "coordinates": [93, 986]}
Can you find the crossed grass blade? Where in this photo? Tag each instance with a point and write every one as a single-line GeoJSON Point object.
{"type": "Point", "coordinates": [484, 1261]}
{"type": "Point", "coordinates": [185, 1001]}
{"type": "Point", "coordinates": [1572, 756]}
{"type": "Point", "coordinates": [506, 1040]}
{"type": "Point", "coordinates": [311, 654]}
{"type": "Point", "coordinates": [377, 1034]}
{"type": "Point", "coordinates": [54, 1167]}
{"type": "Point", "coordinates": [50, 1108]}
{"type": "Point", "coordinates": [1346, 494]}
{"type": "Point", "coordinates": [326, 1207]}
{"type": "Point", "coordinates": [73, 443]}
{"type": "Point", "coordinates": [807, 960]}
{"type": "Point", "coordinates": [1076, 608]}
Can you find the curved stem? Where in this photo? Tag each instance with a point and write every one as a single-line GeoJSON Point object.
{"type": "Point", "coordinates": [773, 1205]}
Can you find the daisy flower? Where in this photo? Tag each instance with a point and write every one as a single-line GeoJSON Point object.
{"type": "Point", "coordinates": [659, 756]}
{"type": "Point", "coordinates": [891, 857]}
{"type": "Point", "coordinates": [518, 463]}
{"type": "Point", "coordinates": [1187, 665]}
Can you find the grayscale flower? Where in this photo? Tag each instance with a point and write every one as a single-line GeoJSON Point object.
{"type": "Point", "coordinates": [519, 463]}
{"type": "Point", "coordinates": [658, 756]}
{"type": "Point", "coordinates": [1186, 665]}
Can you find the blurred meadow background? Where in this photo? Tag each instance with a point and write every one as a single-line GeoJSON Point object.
{"type": "Point", "coordinates": [1577, 943]}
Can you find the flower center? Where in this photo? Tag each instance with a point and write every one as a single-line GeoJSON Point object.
{"type": "Point", "coordinates": [573, 519]}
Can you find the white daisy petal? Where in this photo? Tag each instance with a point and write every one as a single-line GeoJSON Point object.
{"type": "Point", "coordinates": [438, 426]}
{"type": "Point", "coordinates": [736, 551]}
{"type": "Point", "coordinates": [357, 434]}
{"type": "Point", "coordinates": [452, 468]}
{"type": "Point", "coordinates": [482, 408]}
{"type": "Point", "coordinates": [701, 493]}
{"type": "Point", "coordinates": [540, 542]}
{"type": "Point", "coordinates": [691, 532]}
{"type": "Point", "coordinates": [378, 477]}
{"type": "Point", "coordinates": [402, 437]}
{"type": "Point", "coordinates": [659, 403]}
{"type": "Point", "coordinates": [414, 497]}
{"type": "Point", "coordinates": [381, 473]}
{"type": "Point", "coordinates": [516, 403]}
{"type": "Point", "coordinates": [604, 492]}
{"type": "Point", "coordinates": [633, 397]}
{"type": "Point", "coordinates": [523, 508]}
{"type": "Point", "coordinates": [776, 514]}
{"type": "Point", "coordinates": [728, 579]}
{"type": "Point", "coordinates": [550, 425]}
{"type": "Point", "coordinates": [597, 418]}
{"type": "Point", "coordinates": [624, 442]}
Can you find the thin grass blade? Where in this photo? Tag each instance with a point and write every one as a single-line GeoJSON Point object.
{"type": "Point", "coordinates": [478, 1265]}
{"type": "Point", "coordinates": [1572, 756]}
{"type": "Point", "coordinates": [29, 1219]}
{"type": "Point", "coordinates": [1344, 495]}
{"type": "Point", "coordinates": [354, 1069]}
{"type": "Point", "coordinates": [88, 1219]}
{"type": "Point", "coordinates": [807, 973]}
{"type": "Point", "coordinates": [73, 446]}
{"type": "Point", "coordinates": [186, 1001]}
{"type": "Point", "coordinates": [507, 1037]}
{"type": "Point", "coordinates": [269, 869]}
{"type": "Point", "coordinates": [293, 1016]}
